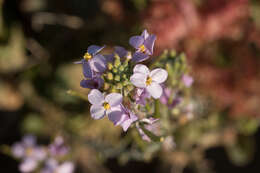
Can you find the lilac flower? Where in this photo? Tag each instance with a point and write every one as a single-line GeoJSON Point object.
{"type": "Point", "coordinates": [169, 99]}
{"type": "Point", "coordinates": [141, 95]}
{"type": "Point", "coordinates": [122, 116]}
{"type": "Point", "coordinates": [29, 152]}
{"type": "Point", "coordinates": [93, 62]}
{"type": "Point", "coordinates": [52, 166]}
{"type": "Point", "coordinates": [143, 78]}
{"type": "Point", "coordinates": [152, 125]}
{"type": "Point", "coordinates": [143, 45]}
{"type": "Point", "coordinates": [58, 148]}
{"type": "Point", "coordinates": [103, 105]}
{"type": "Point", "coordinates": [120, 51]}
{"type": "Point", "coordinates": [187, 80]}
{"type": "Point", "coordinates": [93, 83]}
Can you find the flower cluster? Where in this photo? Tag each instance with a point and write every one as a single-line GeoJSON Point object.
{"type": "Point", "coordinates": [46, 159]}
{"type": "Point", "coordinates": [123, 88]}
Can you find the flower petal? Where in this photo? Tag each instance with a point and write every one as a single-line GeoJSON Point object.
{"type": "Point", "coordinates": [93, 83]}
{"type": "Point", "coordinates": [98, 63]}
{"type": "Point", "coordinates": [139, 57]}
{"type": "Point", "coordinates": [87, 71]}
{"type": "Point", "coordinates": [138, 79]}
{"type": "Point", "coordinates": [149, 43]}
{"type": "Point", "coordinates": [115, 116]}
{"type": "Point", "coordinates": [28, 165]}
{"type": "Point", "coordinates": [159, 75]}
{"type": "Point", "coordinates": [97, 111]}
{"type": "Point", "coordinates": [114, 99]}
{"type": "Point", "coordinates": [122, 52]}
{"type": "Point", "coordinates": [145, 34]}
{"type": "Point", "coordinates": [66, 167]}
{"type": "Point", "coordinates": [94, 49]}
{"type": "Point", "coordinates": [155, 90]}
{"type": "Point", "coordinates": [95, 97]}
{"type": "Point", "coordinates": [136, 41]}
{"type": "Point", "coordinates": [140, 68]}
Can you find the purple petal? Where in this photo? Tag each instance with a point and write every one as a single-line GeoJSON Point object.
{"type": "Point", "coordinates": [115, 116]}
{"type": "Point", "coordinates": [98, 63]}
{"type": "Point", "coordinates": [28, 165]}
{"type": "Point", "coordinates": [136, 41]}
{"type": "Point", "coordinates": [155, 90]}
{"type": "Point", "coordinates": [138, 79]}
{"type": "Point", "coordinates": [29, 140]}
{"type": "Point", "coordinates": [94, 49]}
{"type": "Point", "coordinates": [109, 58]}
{"type": "Point", "coordinates": [187, 80]}
{"type": "Point", "coordinates": [141, 96]}
{"type": "Point", "coordinates": [94, 83]}
{"type": "Point", "coordinates": [87, 71]}
{"type": "Point", "coordinates": [97, 111]}
{"type": "Point", "coordinates": [159, 75]}
{"type": "Point", "coordinates": [145, 34]}
{"type": "Point", "coordinates": [18, 150]}
{"type": "Point", "coordinates": [139, 57]}
{"type": "Point", "coordinates": [122, 52]}
{"type": "Point", "coordinates": [114, 99]}
{"type": "Point", "coordinates": [95, 97]}
{"type": "Point", "coordinates": [140, 68]}
{"type": "Point", "coordinates": [149, 43]}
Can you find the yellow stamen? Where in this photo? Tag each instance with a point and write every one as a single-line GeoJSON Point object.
{"type": "Point", "coordinates": [149, 80]}
{"type": "Point", "coordinates": [106, 105]}
{"type": "Point", "coordinates": [29, 151]}
{"type": "Point", "coordinates": [87, 56]}
{"type": "Point", "coordinates": [142, 48]}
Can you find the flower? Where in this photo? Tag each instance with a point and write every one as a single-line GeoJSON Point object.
{"type": "Point", "coordinates": [29, 152]}
{"type": "Point", "coordinates": [169, 99]}
{"type": "Point", "coordinates": [122, 116]}
{"type": "Point", "coordinates": [93, 83]}
{"type": "Point", "coordinates": [52, 166]}
{"type": "Point", "coordinates": [152, 125]}
{"type": "Point", "coordinates": [143, 45]}
{"type": "Point", "coordinates": [143, 78]}
{"type": "Point", "coordinates": [187, 80]}
{"type": "Point", "coordinates": [57, 148]}
{"type": "Point", "coordinates": [93, 62]}
{"type": "Point", "coordinates": [141, 95]}
{"type": "Point", "coordinates": [103, 105]}
{"type": "Point", "coordinates": [120, 51]}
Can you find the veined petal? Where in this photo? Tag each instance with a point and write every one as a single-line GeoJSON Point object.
{"type": "Point", "coordinates": [95, 97]}
{"type": "Point", "coordinates": [136, 41]}
{"type": "Point", "coordinates": [149, 43]}
{"type": "Point", "coordinates": [94, 49]}
{"type": "Point", "coordinates": [155, 90]}
{"type": "Point", "coordinates": [140, 68]}
{"type": "Point", "coordinates": [139, 57]}
{"type": "Point", "coordinates": [138, 79]}
{"type": "Point", "coordinates": [145, 34]}
{"type": "Point", "coordinates": [87, 71]}
{"type": "Point", "coordinates": [159, 75]}
{"type": "Point", "coordinates": [114, 99]}
{"type": "Point", "coordinates": [115, 116]}
{"type": "Point", "coordinates": [98, 63]}
{"type": "Point", "coordinates": [97, 111]}
{"type": "Point", "coordinates": [122, 52]}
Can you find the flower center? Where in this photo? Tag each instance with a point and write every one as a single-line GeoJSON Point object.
{"type": "Point", "coordinates": [29, 151]}
{"type": "Point", "coordinates": [87, 56]}
{"type": "Point", "coordinates": [148, 80]}
{"type": "Point", "coordinates": [142, 48]}
{"type": "Point", "coordinates": [106, 105]}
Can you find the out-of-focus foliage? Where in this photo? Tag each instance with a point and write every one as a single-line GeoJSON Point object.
{"type": "Point", "coordinates": [40, 40]}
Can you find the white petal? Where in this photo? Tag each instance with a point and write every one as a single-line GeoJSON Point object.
{"type": "Point", "coordinates": [155, 90]}
{"type": "Point", "coordinates": [95, 97]}
{"type": "Point", "coordinates": [138, 79]}
{"type": "Point", "coordinates": [66, 167]}
{"type": "Point", "coordinates": [159, 75]}
{"type": "Point", "coordinates": [140, 68]}
{"type": "Point", "coordinates": [97, 111]}
{"type": "Point", "coordinates": [28, 165]}
{"type": "Point", "coordinates": [114, 99]}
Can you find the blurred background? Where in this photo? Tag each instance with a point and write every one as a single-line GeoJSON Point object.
{"type": "Point", "coordinates": [40, 40]}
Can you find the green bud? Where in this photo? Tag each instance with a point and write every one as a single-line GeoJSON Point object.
{"type": "Point", "coordinates": [124, 76]}
{"type": "Point", "coordinates": [117, 78]}
{"type": "Point", "coordinates": [119, 86]}
{"type": "Point", "coordinates": [110, 76]}
{"type": "Point", "coordinates": [130, 87]}
{"type": "Point", "coordinates": [121, 68]}
{"type": "Point", "coordinates": [125, 83]}
{"type": "Point", "coordinates": [173, 53]}
{"type": "Point", "coordinates": [110, 66]}
{"type": "Point", "coordinates": [106, 86]}
{"type": "Point", "coordinates": [115, 70]}
{"type": "Point", "coordinates": [117, 62]}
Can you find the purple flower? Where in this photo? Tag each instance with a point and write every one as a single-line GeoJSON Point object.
{"type": "Point", "coordinates": [187, 80]}
{"type": "Point", "coordinates": [152, 125]}
{"type": "Point", "coordinates": [103, 105]}
{"type": "Point", "coordinates": [169, 99]}
{"type": "Point", "coordinates": [93, 83]}
{"type": "Point", "coordinates": [29, 152]}
{"type": "Point", "coordinates": [143, 45]}
{"type": "Point", "coordinates": [52, 166]}
{"type": "Point", "coordinates": [143, 78]}
{"type": "Point", "coordinates": [120, 51]}
{"type": "Point", "coordinates": [141, 95]}
{"type": "Point", "coordinates": [58, 148]}
{"type": "Point", "coordinates": [93, 62]}
{"type": "Point", "coordinates": [122, 116]}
